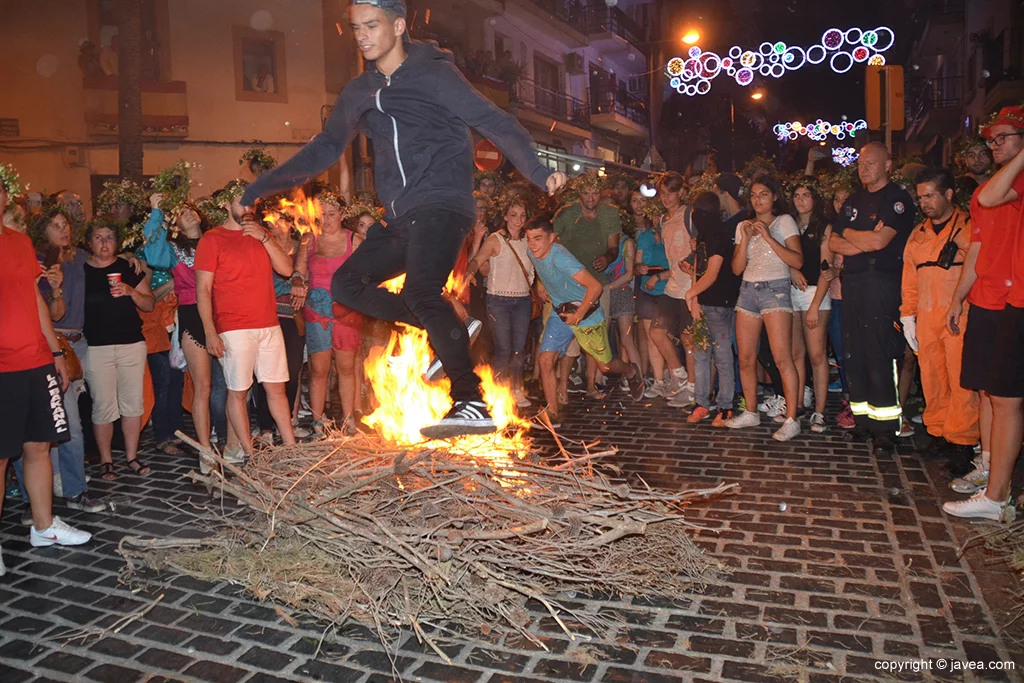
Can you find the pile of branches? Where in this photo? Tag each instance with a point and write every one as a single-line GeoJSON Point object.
{"type": "Point", "coordinates": [436, 542]}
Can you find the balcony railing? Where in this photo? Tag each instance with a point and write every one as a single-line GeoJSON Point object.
{"type": "Point", "coordinates": [609, 101]}
{"type": "Point", "coordinates": [600, 18]}
{"type": "Point", "coordinates": [552, 103]}
{"type": "Point", "coordinates": [568, 11]}
{"type": "Point", "coordinates": [931, 94]}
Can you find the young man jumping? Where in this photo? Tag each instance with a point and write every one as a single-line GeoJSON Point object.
{"type": "Point", "coordinates": [418, 109]}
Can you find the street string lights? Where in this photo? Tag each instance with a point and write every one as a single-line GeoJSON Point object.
{"type": "Point", "coordinates": [819, 130]}
{"type": "Point", "coordinates": [693, 74]}
{"type": "Point", "coordinates": [844, 156]}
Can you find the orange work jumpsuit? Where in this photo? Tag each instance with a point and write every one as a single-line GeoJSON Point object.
{"type": "Point", "coordinates": [951, 412]}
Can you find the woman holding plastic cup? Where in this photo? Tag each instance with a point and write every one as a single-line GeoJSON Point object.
{"type": "Point", "coordinates": [116, 362]}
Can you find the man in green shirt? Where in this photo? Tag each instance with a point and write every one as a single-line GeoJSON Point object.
{"type": "Point", "coordinates": [590, 230]}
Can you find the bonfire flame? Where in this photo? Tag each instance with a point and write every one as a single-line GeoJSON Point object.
{"type": "Point", "coordinates": [407, 401]}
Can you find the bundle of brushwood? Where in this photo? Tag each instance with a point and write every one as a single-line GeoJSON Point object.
{"type": "Point", "coordinates": [438, 542]}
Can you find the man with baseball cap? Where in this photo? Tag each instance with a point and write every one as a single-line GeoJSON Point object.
{"type": "Point", "coordinates": [993, 282]}
{"type": "Point", "coordinates": [418, 109]}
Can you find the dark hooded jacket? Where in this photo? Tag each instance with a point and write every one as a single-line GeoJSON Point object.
{"type": "Point", "coordinates": [419, 120]}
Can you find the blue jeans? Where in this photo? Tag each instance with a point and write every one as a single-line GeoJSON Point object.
{"type": "Point", "coordinates": [70, 456]}
{"type": "Point", "coordinates": [721, 327]}
{"type": "Point", "coordinates": [218, 401]}
{"type": "Point", "coordinates": [168, 384]}
{"type": "Point", "coordinates": [835, 335]}
{"type": "Point", "coordinates": [509, 319]}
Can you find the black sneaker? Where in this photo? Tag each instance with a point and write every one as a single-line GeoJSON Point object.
{"type": "Point", "coordinates": [85, 503]}
{"type": "Point", "coordinates": [883, 446]}
{"type": "Point", "coordinates": [465, 417]}
{"type": "Point", "coordinates": [636, 383]}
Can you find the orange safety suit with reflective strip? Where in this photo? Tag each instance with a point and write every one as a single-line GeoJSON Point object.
{"type": "Point", "coordinates": [951, 412]}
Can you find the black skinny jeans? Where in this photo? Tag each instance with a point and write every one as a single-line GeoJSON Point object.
{"type": "Point", "coordinates": [294, 343]}
{"type": "Point", "coordinates": [424, 245]}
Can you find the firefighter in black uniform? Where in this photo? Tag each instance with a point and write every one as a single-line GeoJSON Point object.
{"type": "Point", "coordinates": [871, 231]}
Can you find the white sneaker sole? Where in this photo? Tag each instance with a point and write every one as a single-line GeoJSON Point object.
{"type": "Point", "coordinates": [42, 542]}
{"type": "Point", "coordinates": [449, 429]}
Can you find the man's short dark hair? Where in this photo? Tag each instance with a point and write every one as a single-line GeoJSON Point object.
{"type": "Point", "coordinates": [942, 177]}
{"type": "Point", "coordinates": [540, 223]}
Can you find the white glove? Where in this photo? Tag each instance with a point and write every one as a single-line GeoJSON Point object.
{"type": "Point", "coordinates": [910, 331]}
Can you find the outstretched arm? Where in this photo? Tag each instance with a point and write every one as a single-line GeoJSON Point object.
{"type": "Point", "coordinates": [503, 129]}
{"type": "Point", "coordinates": [319, 153]}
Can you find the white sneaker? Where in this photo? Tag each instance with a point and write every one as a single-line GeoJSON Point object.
{"type": "Point", "coordinates": [656, 390]}
{"type": "Point", "coordinates": [301, 432]}
{"type": "Point", "coordinates": [235, 455]}
{"type": "Point", "coordinates": [773, 406]}
{"type": "Point", "coordinates": [683, 397]}
{"type": "Point", "coordinates": [788, 430]}
{"type": "Point", "coordinates": [745, 419]}
{"type": "Point", "coordinates": [59, 533]}
{"type": "Point", "coordinates": [971, 482]}
{"type": "Point", "coordinates": [808, 397]}
{"type": "Point", "coordinates": [521, 399]}
{"type": "Point", "coordinates": [977, 506]}
{"type": "Point", "coordinates": [818, 423]}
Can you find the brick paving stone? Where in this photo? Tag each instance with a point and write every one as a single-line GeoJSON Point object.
{"type": "Point", "coordinates": [844, 574]}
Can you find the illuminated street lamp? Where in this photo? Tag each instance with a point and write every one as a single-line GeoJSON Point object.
{"type": "Point", "coordinates": [691, 37]}
{"type": "Point", "coordinates": [756, 95]}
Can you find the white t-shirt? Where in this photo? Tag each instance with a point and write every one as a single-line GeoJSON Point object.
{"type": "Point", "coordinates": [763, 264]}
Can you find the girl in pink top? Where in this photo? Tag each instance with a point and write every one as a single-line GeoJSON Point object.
{"type": "Point", "coordinates": [329, 326]}
{"type": "Point", "coordinates": [177, 254]}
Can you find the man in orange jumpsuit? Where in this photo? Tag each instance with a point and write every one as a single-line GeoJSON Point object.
{"type": "Point", "coordinates": [932, 261]}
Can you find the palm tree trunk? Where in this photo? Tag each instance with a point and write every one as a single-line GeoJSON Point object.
{"type": "Point", "coordinates": [130, 89]}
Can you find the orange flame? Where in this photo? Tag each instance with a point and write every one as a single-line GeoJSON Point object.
{"type": "Point", "coordinates": [304, 213]}
{"type": "Point", "coordinates": [409, 403]}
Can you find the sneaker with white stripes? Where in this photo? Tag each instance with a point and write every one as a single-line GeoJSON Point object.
{"type": "Point", "coordinates": [656, 389]}
{"type": "Point", "coordinates": [773, 406]}
{"type": "Point", "coordinates": [465, 417]}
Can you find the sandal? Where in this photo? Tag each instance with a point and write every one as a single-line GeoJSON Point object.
{"type": "Point", "coordinates": [169, 448]}
{"type": "Point", "coordinates": [107, 471]}
{"type": "Point", "coordinates": [596, 395]}
{"type": "Point", "coordinates": [136, 466]}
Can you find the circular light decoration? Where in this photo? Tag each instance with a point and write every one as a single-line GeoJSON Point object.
{"type": "Point", "coordinates": [819, 130]}
{"type": "Point", "coordinates": [844, 156]}
{"type": "Point", "coordinates": [648, 191]}
{"type": "Point", "coordinates": [675, 82]}
{"type": "Point", "coordinates": [842, 49]}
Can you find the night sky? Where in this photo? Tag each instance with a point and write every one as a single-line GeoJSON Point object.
{"type": "Point", "coordinates": [817, 91]}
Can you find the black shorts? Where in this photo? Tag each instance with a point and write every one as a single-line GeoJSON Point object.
{"type": "Point", "coordinates": [646, 305]}
{"type": "Point", "coordinates": [1006, 376]}
{"type": "Point", "coordinates": [31, 410]}
{"type": "Point", "coordinates": [673, 315]}
{"type": "Point", "coordinates": [979, 340]}
{"type": "Point", "coordinates": [190, 324]}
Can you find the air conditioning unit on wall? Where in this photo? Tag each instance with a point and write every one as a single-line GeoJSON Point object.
{"type": "Point", "coordinates": [573, 63]}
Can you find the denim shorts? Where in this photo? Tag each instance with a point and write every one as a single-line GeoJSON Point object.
{"type": "Point", "coordinates": [758, 298]}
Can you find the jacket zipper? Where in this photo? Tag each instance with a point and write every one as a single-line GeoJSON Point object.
{"type": "Point", "coordinates": [394, 123]}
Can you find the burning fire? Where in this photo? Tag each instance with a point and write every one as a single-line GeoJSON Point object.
{"type": "Point", "coordinates": [407, 401]}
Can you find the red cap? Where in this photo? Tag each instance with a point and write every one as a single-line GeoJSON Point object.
{"type": "Point", "coordinates": [1008, 116]}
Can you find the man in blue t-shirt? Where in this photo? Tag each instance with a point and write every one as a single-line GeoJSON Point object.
{"type": "Point", "coordinates": [564, 280]}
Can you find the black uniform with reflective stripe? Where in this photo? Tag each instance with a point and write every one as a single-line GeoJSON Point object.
{"type": "Point", "coordinates": [862, 211]}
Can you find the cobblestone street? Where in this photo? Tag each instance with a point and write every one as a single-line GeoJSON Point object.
{"type": "Point", "coordinates": [840, 562]}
